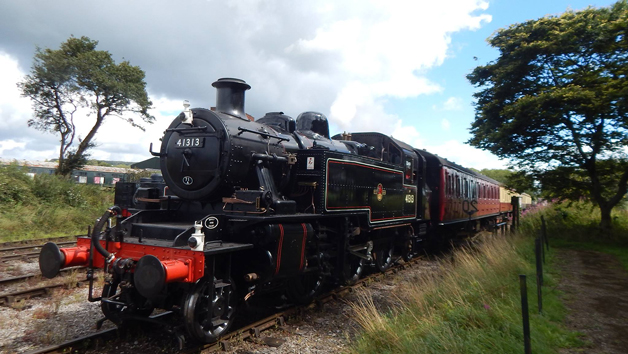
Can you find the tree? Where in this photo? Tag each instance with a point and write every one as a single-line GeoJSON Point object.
{"type": "Point", "coordinates": [516, 181]}
{"type": "Point", "coordinates": [557, 97]}
{"type": "Point", "coordinates": [78, 76]}
{"type": "Point", "coordinates": [499, 175]}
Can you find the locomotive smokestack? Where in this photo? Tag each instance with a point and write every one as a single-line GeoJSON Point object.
{"type": "Point", "coordinates": [230, 96]}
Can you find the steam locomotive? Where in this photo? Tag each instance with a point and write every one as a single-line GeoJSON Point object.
{"type": "Point", "coordinates": [246, 207]}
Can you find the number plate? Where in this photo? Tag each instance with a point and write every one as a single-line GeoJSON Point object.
{"type": "Point", "coordinates": [191, 142]}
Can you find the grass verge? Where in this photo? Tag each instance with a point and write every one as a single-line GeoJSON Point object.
{"type": "Point", "coordinates": [472, 305]}
{"type": "Point", "coordinates": [574, 225]}
{"type": "Point", "coordinates": [46, 205]}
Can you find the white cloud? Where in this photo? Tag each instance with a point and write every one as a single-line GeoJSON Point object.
{"type": "Point", "coordinates": [16, 140]}
{"type": "Point", "coordinates": [407, 134]}
{"type": "Point", "coordinates": [466, 155]}
{"type": "Point", "coordinates": [384, 53]}
{"type": "Point", "coordinates": [116, 139]}
{"type": "Point", "coordinates": [10, 144]}
{"type": "Point", "coordinates": [444, 123]}
{"type": "Point", "coordinates": [345, 59]}
{"type": "Point", "coordinates": [452, 104]}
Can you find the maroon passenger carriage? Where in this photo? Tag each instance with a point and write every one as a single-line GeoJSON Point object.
{"type": "Point", "coordinates": [245, 208]}
{"type": "Point", "coordinates": [461, 198]}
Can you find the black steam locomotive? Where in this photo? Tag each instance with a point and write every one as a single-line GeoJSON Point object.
{"type": "Point", "coordinates": [247, 206]}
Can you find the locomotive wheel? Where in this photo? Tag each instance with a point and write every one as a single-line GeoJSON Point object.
{"type": "Point", "coordinates": [384, 257]}
{"type": "Point", "coordinates": [304, 288]}
{"type": "Point", "coordinates": [208, 317]}
{"type": "Point", "coordinates": [353, 269]}
{"type": "Point", "coordinates": [116, 313]}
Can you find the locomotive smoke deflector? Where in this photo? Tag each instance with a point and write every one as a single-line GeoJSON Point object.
{"type": "Point", "coordinates": [230, 96]}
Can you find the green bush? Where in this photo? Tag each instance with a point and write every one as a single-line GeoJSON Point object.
{"type": "Point", "coordinates": [15, 185]}
{"type": "Point", "coordinates": [47, 205]}
{"type": "Point", "coordinates": [578, 222]}
{"type": "Point", "coordinates": [575, 225]}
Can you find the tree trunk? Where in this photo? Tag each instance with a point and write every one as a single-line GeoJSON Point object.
{"type": "Point", "coordinates": [606, 224]}
{"type": "Point", "coordinates": [61, 170]}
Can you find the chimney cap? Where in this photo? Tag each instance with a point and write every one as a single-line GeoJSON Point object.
{"type": "Point", "coordinates": [228, 81]}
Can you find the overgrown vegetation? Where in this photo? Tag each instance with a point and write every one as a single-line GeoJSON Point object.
{"type": "Point", "coordinates": [575, 225]}
{"type": "Point", "coordinates": [472, 305]}
{"type": "Point", "coordinates": [47, 205]}
{"type": "Point", "coordinates": [554, 103]}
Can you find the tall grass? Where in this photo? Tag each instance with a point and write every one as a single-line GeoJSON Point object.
{"type": "Point", "coordinates": [46, 205]}
{"type": "Point", "coordinates": [578, 222]}
{"type": "Point", "coordinates": [575, 225]}
{"type": "Point", "coordinates": [472, 305]}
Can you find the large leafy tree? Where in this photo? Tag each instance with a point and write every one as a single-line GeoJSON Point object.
{"type": "Point", "coordinates": [555, 102]}
{"type": "Point", "coordinates": [78, 76]}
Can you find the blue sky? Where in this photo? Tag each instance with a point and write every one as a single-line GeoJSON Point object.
{"type": "Point", "coordinates": [395, 66]}
{"type": "Point", "coordinates": [429, 109]}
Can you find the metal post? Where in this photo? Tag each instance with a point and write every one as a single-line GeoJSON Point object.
{"type": "Point", "coordinates": [538, 246]}
{"type": "Point", "coordinates": [539, 265]}
{"type": "Point", "coordinates": [544, 232]}
{"type": "Point", "coordinates": [542, 249]}
{"type": "Point", "coordinates": [524, 314]}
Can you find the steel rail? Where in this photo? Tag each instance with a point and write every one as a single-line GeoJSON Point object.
{"type": "Point", "coordinates": [252, 330]}
{"type": "Point", "coordinates": [85, 341]}
{"type": "Point", "coordinates": [13, 257]}
{"type": "Point", "coordinates": [30, 276]}
{"type": "Point", "coordinates": [66, 347]}
{"type": "Point", "coordinates": [37, 240]}
{"type": "Point", "coordinates": [10, 297]}
{"type": "Point", "coordinates": [279, 319]}
{"type": "Point", "coordinates": [65, 243]}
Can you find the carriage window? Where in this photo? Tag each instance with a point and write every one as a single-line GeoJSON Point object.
{"type": "Point", "coordinates": [449, 184]}
{"type": "Point", "coordinates": [457, 186]}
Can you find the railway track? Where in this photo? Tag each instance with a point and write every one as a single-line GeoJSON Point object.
{"type": "Point", "coordinates": [247, 332]}
{"type": "Point", "coordinates": [13, 296]}
{"type": "Point", "coordinates": [20, 278]}
{"type": "Point", "coordinates": [22, 248]}
{"type": "Point", "coordinates": [24, 256]}
{"type": "Point", "coordinates": [255, 329]}
{"type": "Point", "coordinates": [27, 243]}
{"type": "Point", "coordinates": [279, 319]}
{"type": "Point", "coordinates": [18, 252]}
{"type": "Point", "coordinates": [93, 339]}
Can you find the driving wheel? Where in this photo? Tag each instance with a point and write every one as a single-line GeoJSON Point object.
{"type": "Point", "coordinates": [209, 310]}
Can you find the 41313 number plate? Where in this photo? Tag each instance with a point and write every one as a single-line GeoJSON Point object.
{"type": "Point", "coordinates": [191, 142]}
